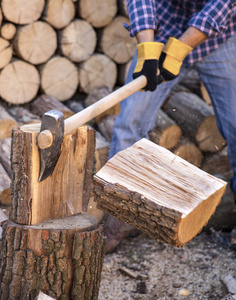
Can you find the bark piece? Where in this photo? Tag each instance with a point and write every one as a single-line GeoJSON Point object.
{"type": "Point", "coordinates": [116, 42]}
{"type": "Point", "coordinates": [22, 12]}
{"type": "Point", "coordinates": [59, 78]}
{"type": "Point", "coordinates": [62, 258]}
{"type": "Point", "coordinates": [166, 132]}
{"type": "Point", "coordinates": [77, 41]}
{"type": "Point", "coordinates": [5, 181]}
{"type": "Point", "coordinates": [59, 13]}
{"type": "Point", "coordinates": [44, 103]}
{"type": "Point", "coordinates": [150, 188]}
{"type": "Point", "coordinates": [6, 123]}
{"type": "Point", "coordinates": [8, 31]}
{"type": "Point", "coordinates": [35, 42]}
{"type": "Point", "coordinates": [196, 119]}
{"type": "Point", "coordinates": [19, 82]}
{"type": "Point", "coordinates": [6, 52]}
{"type": "Point", "coordinates": [23, 115]}
{"type": "Point", "coordinates": [97, 13]}
{"type": "Point", "coordinates": [5, 150]}
{"type": "Point", "coordinates": [96, 72]}
{"type": "Point", "coordinates": [65, 192]}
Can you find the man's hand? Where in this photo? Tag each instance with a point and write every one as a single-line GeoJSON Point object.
{"type": "Point", "coordinates": [172, 57]}
{"type": "Point", "coordinates": [148, 54]}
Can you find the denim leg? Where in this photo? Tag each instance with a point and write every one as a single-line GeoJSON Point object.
{"type": "Point", "coordinates": [138, 113]}
{"type": "Point", "coordinates": [218, 73]}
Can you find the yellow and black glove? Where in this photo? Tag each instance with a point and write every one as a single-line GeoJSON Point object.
{"type": "Point", "coordinates": [171, 58]}
{"type": "Point", "coordinates": [148, 54]}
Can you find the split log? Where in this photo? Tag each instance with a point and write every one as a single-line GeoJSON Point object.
{"type": "Point", "coordinates": [189, 152]}
{"type": "Point", "coordinates": [62, 258]}
{"type": "Point", "coordinates": [6, 52]}
{"type": "Point", "coordinates": [99, 70]}
{"type": "Point", "coordinates": [77, 41]}
{"type": "Point", "coordinates": [23, 115]}
{"type": "Point", "coordinates": [150, 188]}
{"type": "Point", "coordinates": [5, 150]}
{"type": "Point", "coordinates": [6, 123]}
{"type": "Point", "coordinates": [59, 78]}
{"type": "Point", "coordinates": [106, 125]}
{"type": "Point", "coordinates": [22, 12]}
{"type": "Point", "coordinates": [166, 132]}
{"type": "Point", "coordinates": [97, 13]}
{"type": "Point", "coordinates": [8, 31]}
{"type": "Point", "coordinates": [96, 95]}
{"type": "Point", "coordinates": [35, 42]}
{"type": "Point", "coordinates": [123, 70]}
{"type": "Point", "coordinates": [44, 103]}
{"type": "Point", "coordinates": [115, 41]}
{"type": "Point", "coordinates": [59, 13]}
{"type": "Point", "coordinates": [122, 8]}
{"type": "Point", "coordinates": [23, 84]}
{"type": "Point", "coordinates": [65, 192]}
{"type": "Point", "coordinates": [196, 119]}
{"type": "Point", "coordinates": [5, 182]}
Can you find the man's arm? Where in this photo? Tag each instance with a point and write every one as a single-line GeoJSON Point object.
{"type": "Point", "coordinates": [193, 37]}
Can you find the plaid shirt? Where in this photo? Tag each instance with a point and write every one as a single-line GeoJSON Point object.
{"type": "Point", "coordinates": [170, 18]}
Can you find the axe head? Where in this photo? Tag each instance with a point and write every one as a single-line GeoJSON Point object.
{"type": "Point", "coordinates": [53, 121]}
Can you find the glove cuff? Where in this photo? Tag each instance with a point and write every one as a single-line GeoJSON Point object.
{"type": "Point", "coordinates": [149, 50]}
{"type": "Point", "coordinates": [177, 49]}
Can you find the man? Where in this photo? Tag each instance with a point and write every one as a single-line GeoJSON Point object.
{"type": "Point", "coordinates": [172, 36]}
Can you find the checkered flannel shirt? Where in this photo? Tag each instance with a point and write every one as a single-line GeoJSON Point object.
{"type": "Point", "coordinates": [170, 18]}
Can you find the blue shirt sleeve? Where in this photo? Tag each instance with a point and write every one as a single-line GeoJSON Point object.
{"type": "Point", "coordinates": [212, 19]}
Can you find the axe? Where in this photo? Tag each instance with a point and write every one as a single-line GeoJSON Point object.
{"type": "Point", "coordinates": [53, 127]}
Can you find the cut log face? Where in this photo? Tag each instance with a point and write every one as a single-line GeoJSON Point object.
{"type": "Point", "coordinates": [59, 13]}
{"type": "Point", "coordinates": [77, 41]}
{"type": "Point", "coordinates": [8, 31]}
{"type": "Point", "coordinates": [98, 13]}
{"type": "Point", "coordinates": [19, 82]}
{"type": "Point", "coordinates": [156, 191]}
{"type": "Point", "coordinates": [22, 12]}
{"type": "Point", "coordinates": [35, 42]}
{"type": "Point", "coordinates": [5, 53]}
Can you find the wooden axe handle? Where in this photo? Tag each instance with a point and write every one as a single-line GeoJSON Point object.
{"type": "Point", "coordinates": [92, 111]}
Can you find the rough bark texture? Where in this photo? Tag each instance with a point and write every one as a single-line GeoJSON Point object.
{"type": "Point", "coordinates": [23, 115]}
{"type": "Point", "coordinates": [61, 258]}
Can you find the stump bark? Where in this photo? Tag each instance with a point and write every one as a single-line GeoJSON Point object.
{"type": "Point", "coordinates": [154, 190]}
{"type": "Point", "coordinates": [62, 258]}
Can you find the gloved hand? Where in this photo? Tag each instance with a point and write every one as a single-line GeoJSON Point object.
{"type": "Point", "coordinates": [171, 58]}
{"type": "Point", "coordinates": [148, 54]}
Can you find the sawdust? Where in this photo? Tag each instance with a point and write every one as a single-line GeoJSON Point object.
{"type": "Point", "coordinates": [142, 268]}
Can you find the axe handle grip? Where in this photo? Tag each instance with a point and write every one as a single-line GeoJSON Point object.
{"type": "Point", "coordinates": [95, 109]}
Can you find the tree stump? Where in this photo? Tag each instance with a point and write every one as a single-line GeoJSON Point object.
{"type": "Point", "coordinates": [59, 13]}
{"type": "Point", "coordinates": [115, 41]}
{"type": "Point", "coordinates": [22, 12]}
{"type": "Point", "coordinates": [35, 42]}
{"type": "Point", "coordinates": [62, 258]}
{"type": "Point", "coordinates": [8, 31]}
{"type": "Point", "coordinates": [59, 78]}
{"type": "Point", "coordinates": [6, 52]}
{"type": "Point", "coordinates": [77, 41]}
{"type": "Point", "coordinates": [97, 13]}
{"type": "Point", "coordinates": [154, 190]}
{"type": "Point", "coordinates": [97, 71]}
{"type": "Point", "coordinates": [6, 123]}
{"type": "Point", "coordinates": [23, 84]}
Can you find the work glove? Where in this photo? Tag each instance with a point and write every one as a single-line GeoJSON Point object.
{"type": "Point", "coordinates": [148, 54]}
{"type": "Point", "coordinates": [171, 59]}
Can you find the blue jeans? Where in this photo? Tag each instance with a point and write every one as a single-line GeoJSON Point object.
{"type": "Point", "coordinates": [218, 73]}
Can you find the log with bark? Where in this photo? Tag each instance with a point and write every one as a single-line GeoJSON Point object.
{"type": "Point", "coordinates": [44, 103]}
{"type": "Point", "coordinates": [59, 13]}
{"type": "Point", "coordinates": [62, 258]}
{"type": "Point", "coordinates": [196, 119]}
{"type": "Point", "coordinates": [77, 41]}
{"type": "Point", "coordinates": [6, 123]}
{"type": "Point", "coordinates": [5, 150]}
{"type": "Point", "coordinates": [115, 41]}
{"type": "Point", "coordinates": [6, 52]}
{"type": "Point", "coordinates": [23, 115]}
{"type": "Point", "coordinates": [166, 132]}
{"type": "Point", "coordinates": [150, 188]}
{"type": "Point", "coordinates": [59, 78]}
{"type": "Point", "coordinates": [5, 181]}
{"type": "Point", "coordinates": [65, 192]}
{"type": "Point", "coordinates": [8, 31]}
{"type": "Point", "coordinates": [97, 13]}
{"type": "Point", "coordinates": [98, 71]}
{"type": "Point", "coordinates": [22, 12]}
{"type": "Point", "coordinates": [35, 42]}
{"type": "Point", "coordinates": [19, 82]}
{"type": "Point", "coordinates": [106, 125]}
